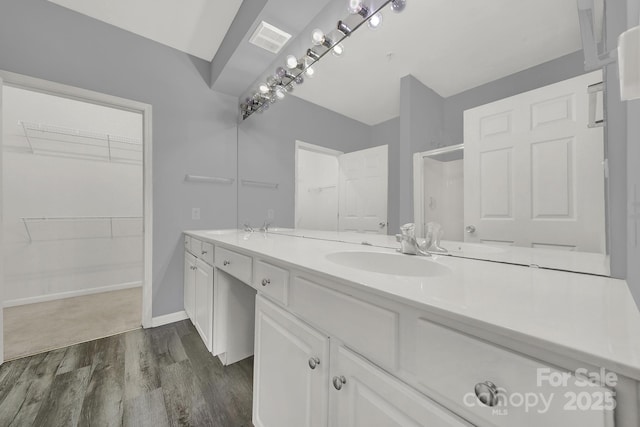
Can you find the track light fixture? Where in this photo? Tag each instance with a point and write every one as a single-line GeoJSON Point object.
{"type": "Point", "coordinates": [276, 86]}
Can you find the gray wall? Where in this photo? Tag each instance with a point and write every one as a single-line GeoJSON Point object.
{"type": "Point", "coordinates": [193, 127]}
{"type": "Point", "coordinates": [633, 171]}
{"type": "Point", "coordinates": [554, 71]}
{"type": "Point", "coordinates": [616, 137]}
{"type": "Point", "coordinates": [387, 133]}
{"type": "Point", "coordinates": [266, 152]}
{"type": "Point", "coordinates": [421, 128]}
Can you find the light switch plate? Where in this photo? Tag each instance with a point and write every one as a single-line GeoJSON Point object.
{"type": "Point", "coordinates": [195, 213]}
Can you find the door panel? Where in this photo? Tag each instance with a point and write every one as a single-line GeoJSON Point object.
{"type": "Point", "coordinates": [204, 301]}
{"type": "Point", "coordinates": [189, 285]}
{"type": "Point", "coordinates": [370, 397]}
{"type": "Point", "coordinates": [287, 391]}
{"type": "Point", "coordinates": [363, 190]}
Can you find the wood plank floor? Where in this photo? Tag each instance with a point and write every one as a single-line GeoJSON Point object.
{"type": "Point", "coordinates": [148, 377]}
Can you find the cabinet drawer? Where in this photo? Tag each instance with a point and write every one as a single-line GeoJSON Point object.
{"type": "Point", "coordinates": [367, 328]}
{"type": "Point", "coordinates": [371, 397]}
{"type": "Point", "coordinates": [235, 264]}
{"type": "Point", "coordinates": [271, 280]}
{"type": "Point", "coordinates": [206, 253]}
{"type": "Point", "coordinates": [450, 364]}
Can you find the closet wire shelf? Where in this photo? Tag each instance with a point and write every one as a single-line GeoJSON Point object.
{"type": "Point", "coordinates": [82, 227]}
{"type": "Point", "coordinates": [81, 144]}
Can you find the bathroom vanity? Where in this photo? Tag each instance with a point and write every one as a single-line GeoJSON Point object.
{"type": "Point", "coordinates": [346, 334]}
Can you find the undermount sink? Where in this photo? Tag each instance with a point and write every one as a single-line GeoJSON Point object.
{"type": "Point", "coordinates": [386, 263]}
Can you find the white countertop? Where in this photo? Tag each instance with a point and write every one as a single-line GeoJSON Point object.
{"type": "Point", "coordinates": [588, 318]}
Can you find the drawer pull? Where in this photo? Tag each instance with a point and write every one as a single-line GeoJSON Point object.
{"type": "Point", "coordinates": [204, 252]}
{"type": "Point", "coordinates": [265, 282]}
{"type": "Point", "coordinates": [338, 382]}
{"type": "Point", "coordinates": [314, 362]}
{"type": "Point", "coordinates": [225, 263]}
{"type": "Point", "coordinates": [487, 393]}
{"type": "Point", "coordinates": [193, 267]}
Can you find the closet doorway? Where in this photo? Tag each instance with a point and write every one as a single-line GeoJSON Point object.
{"type": "Point", "coordinates": [75, 207]}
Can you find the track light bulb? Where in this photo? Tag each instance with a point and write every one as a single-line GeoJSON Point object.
{"type": "Point", "coordinates": [354, 6]}
{"type": "Point", "coordinates": [317, 37]}
{"type": "Point", "coordinates": [398, 5]}
{"type": "Point", "coordinates": [338, 49]}
{"type": "Point", "coordinates": [263, 88]}
{"type": "Point", "coordinates": [292, 62]}
{"type": "Point", "coordinates": [280, 92]}
{"type": "Point", "coordinates": [310, 72]}
{"type": "Point", "coordinates": [375, 21]}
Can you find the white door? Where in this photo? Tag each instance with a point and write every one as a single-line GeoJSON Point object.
{"type": "Point", "coordinates": [1, 237]}
{"type": "Point", "coordinates": [533, 170]}
{"type": "Point", "coordinates": [204, 301]}
{"type": "Point", "coordinates": [363, 190]}
{"type": "Point", "coordinates": [190, 285]}
{"type": "Point", "coordinates": [364, 396]}
{"type": "Point", "coordinates": [316, 202]}
{"type": "Point", "coordinates": [291, 371]}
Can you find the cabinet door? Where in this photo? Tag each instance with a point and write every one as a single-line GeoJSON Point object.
{"type": "Point", "coordinates": [291, 370]}
{"type": "Point", "coordinates": [190, 285]}
{"type": "Point", "coordinates": [204, 301]}
{"type": "Point", "coordinates": [362, 395]}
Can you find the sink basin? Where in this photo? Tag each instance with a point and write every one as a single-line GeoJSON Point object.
{"type": "Point", "coordinates": [386, 263]}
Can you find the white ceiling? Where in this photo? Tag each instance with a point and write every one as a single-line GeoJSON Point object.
{"type": "Point", "coordinates": [196, 27]}
{"type": "Point", "coordinates": [449, 45]}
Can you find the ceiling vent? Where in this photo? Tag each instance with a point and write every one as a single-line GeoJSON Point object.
{"type": "Point", "coordinates": [269, 37]}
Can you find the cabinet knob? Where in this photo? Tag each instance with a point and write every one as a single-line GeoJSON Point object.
{"type": "Point", "coordinates": [470, 229]}
{"type": "Point", "coordinates": [314, 362]}
{"type": "Point", "coordinates": [487, 393]}
{"type": "Point", "coordinates": [204, 252]}
{"type": "Point", "coordinates": [193, 267]}
{"type": "Point", "coordinates": [265, 282]}
{"type": "Point", "coordinates": [225, 263]}
{"type": "Point", "coordinates": [338, 382]}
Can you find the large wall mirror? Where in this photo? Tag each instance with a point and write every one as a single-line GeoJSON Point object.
{"type": "Point", "coordinates": [478, 117]}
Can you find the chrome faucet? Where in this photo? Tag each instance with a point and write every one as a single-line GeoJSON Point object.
{"type": "Point", "coordinates": [265, 226]}
{"type": "Point", "coordinates": [248, 228]}
{"type": "Point", "coordinates": [434, 234]}
{"type": "Point", "coordinates": [409, 244]}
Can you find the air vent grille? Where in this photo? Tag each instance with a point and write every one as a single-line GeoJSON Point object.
{"type": "Point", "coordinates": [269, 37]}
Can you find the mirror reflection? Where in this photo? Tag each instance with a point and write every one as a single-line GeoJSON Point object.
{"type": "Point", "coordinates": [478, 118]}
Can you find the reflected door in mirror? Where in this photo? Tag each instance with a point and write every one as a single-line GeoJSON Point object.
{"type": "Point", "coordinates": [533, 170]}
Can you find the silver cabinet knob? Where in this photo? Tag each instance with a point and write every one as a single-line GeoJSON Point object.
{"type": "Point", "coordinates": [265, 282]}
{"type": "Point", "coordinates": [338, 382]}
{"type": "Point", "coordinates": [487, 393]}
{"type": "Point", "coordinates": [193, 267]}
{"type": "Point", "coordinates": [225, 263]}
{"type": "Point", "coordinates": [204, 252]}
{"type": "Point", "coordinates": [314, 362]}
{"type": "Point", "coordinates": [382, 224]}
{"type": "Point", "coordinates": [470, 229]}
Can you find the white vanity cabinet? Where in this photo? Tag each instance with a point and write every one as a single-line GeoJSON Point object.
{"type": "Point", "coordinates": [291, 370]}
{"type": "Point", "coordinates": [190, 285]}
{"type": "Point", "coordinates": [329, 353]}
{"type": "Point", "coordinates": [204, 302]}
{"type": "Point", "coordinates": [362, 395]}
{"type": "Point", "coordinates": [199, 287]}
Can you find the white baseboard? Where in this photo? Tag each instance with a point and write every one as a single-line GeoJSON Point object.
{"type": "Point", "coordinates": [169, 318]}
{"type": "Point", "coordinates": [70, 294]}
